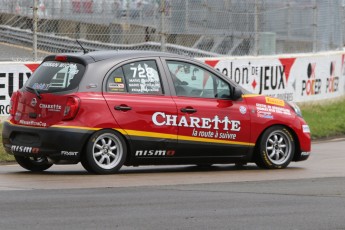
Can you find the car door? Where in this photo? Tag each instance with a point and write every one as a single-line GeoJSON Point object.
{"type": "Point", "coordinates": [135, 92]}
{"type": "Point", "coordinates": [210, 124]}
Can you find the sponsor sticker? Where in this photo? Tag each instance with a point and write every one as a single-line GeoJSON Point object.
{"type": "Point", "coordinates": [69, 153]}
{"type": "Point", "coordinates": [273, 109]}
{"type": "Point", "coordinates": [41, 86]}
{"type": "Point", "coordinates": [264, 114]}
{"type": "Point", "coordinates": [204, 127]}
{"type": "Point", "coordinates": [24, 149]}
{"type": "Point", "coordinates": [305, 153]}
{"type": "Point", "coordinates": [118, 79]}
{"type": "Point", "coordinates": [274, 101]}
{"type": "Point", "coordinates": [116, 85]}
{"type": "Point", "coordinates": [154, 153]}
{"type": "Point", "coordinates": [243, 109]}
{"type": "Point", "coordinates": [51, 107]}
{"type": "Point", "coordinates": [34, 123]}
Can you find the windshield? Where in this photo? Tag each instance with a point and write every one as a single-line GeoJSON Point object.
{"type": "Point", "coordinates": [52, 76]}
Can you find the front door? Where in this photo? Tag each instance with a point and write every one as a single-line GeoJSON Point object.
{"type": "Point", "coordinates": [210, 124]}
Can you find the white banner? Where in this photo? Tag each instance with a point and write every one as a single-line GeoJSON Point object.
{"type": "Point", "coordinates": [299, 78]}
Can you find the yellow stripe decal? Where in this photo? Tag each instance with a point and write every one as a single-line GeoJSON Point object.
{"type": "Point", "coordinates": [153, 135]}
{"type": "Point", "coordinates": [147, 134]}
{"type": "Point", "coordinates": [251, 95]}
{"type": "Point", "coordinates": [207, 140]}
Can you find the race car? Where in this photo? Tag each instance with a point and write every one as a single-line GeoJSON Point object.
{"type": "Point", "coordinates": [107, 109]}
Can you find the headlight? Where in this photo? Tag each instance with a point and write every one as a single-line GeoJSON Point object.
{"type": "Point", "coordinates": [295, 108]}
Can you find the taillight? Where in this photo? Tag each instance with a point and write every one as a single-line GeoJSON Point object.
{"type": "Point", "coordinates": [71, 108]}
{"type": "Point", "coordinates": [61, 58]}
{"type": "Point", "coordinates": [14, 103]}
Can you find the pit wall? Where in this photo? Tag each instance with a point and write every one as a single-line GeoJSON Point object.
{"type": "Point", "coordinates": [299, 78]}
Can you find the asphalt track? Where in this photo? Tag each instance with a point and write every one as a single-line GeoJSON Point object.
{"type": "Point", "coordinates": [306, 195]}
{"type": "Point", "coordinates": [327, 160]}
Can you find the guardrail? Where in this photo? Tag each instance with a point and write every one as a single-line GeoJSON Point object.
{"type": "Point", "coordinates": [64, 44]}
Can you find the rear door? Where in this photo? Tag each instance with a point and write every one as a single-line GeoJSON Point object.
{"type": "Point", "coordinates": [136, 92]}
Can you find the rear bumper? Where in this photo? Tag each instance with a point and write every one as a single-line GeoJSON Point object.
{"type": "Point", "coordinates": [57, 143]}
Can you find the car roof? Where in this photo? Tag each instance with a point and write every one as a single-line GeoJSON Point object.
{"type": "Point", "coordinates": [126, 54]}
{"type": "Point", "coordinates": [101, 55]}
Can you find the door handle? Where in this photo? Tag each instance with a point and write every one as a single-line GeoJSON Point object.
{"type": "Point", "coordinates": [122, 107]}
{"type": "Point", "coordinates": [188, 110]}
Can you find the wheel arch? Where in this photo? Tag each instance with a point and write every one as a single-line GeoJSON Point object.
{"type": "Point", "coordinates": [294, 135]}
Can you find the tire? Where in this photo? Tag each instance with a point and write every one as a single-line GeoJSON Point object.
{"type": "Point", "coordinates": [34, 164]}
{"type": "Point", "coordinates": [85, 164]}
{"type": "Point", "coordinates": [105, 152]}
{"type": "Point", "coordinates": [275, 149]}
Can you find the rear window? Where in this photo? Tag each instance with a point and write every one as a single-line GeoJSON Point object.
{"type": "Point", "coordinates": [52, 76]}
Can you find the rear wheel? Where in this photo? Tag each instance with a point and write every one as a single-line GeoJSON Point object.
{"type": "Point", "coordinates": [276, 148]}
{"type": "Point", "coordinates": [85, 164]}
{"type": "Point", "coordinates": [35, 164]}
{"type": "Point", "coordinates": [105, 152]}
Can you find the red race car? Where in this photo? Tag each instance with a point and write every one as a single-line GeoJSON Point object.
{"type": "Point", "coordinates": [106, 109]}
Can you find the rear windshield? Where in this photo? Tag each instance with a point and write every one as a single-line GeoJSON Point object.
{"type": "Point", "coordinates": [52, 76]}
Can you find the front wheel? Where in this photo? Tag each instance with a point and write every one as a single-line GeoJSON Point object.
{"type": "Point", "coordinates": [276, 148]}
{"type": "Point", "coordinates": [35, 164]}
{"type": "Point", "coordinates": [105, 152]}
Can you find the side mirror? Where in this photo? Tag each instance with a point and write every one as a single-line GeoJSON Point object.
{"type": "Point", "coordinates": [236, 94]}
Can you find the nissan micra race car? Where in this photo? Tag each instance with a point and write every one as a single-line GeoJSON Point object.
{"type": "Point", "coordinates": [107, 109]}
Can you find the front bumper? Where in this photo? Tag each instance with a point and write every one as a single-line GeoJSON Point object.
{"type": "Point", "coordinates": [304, 139]}
{"type": "Point", "coordinates": [56, 143]}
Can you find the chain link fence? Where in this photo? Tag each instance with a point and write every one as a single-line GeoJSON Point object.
{"type": "Point", "coordinates": [196, 28]}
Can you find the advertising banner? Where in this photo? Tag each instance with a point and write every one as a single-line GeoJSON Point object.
{"type": "Point", "coordinates": [295, 78]}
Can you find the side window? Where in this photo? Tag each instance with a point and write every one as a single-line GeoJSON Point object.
{"type": "Point", "coordinates": [140, 77]}
{"type": "Point", "coordinates": [193, 81]}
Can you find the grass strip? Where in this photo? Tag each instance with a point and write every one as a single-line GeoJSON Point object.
{"type": "Point", "coordinates": [325, 120]}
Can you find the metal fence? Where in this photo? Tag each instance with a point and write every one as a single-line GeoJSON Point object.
{"type": "Point", "coordinates": [190, 27]}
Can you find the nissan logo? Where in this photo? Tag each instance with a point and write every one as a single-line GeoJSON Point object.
{"type": "Point", "coordinates": [33, 102]}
